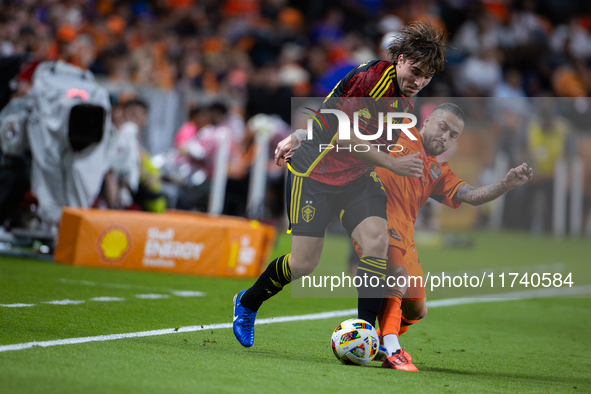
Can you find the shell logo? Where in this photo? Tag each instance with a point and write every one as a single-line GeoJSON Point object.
{"type": "Point", "coordinates": [114, 243]}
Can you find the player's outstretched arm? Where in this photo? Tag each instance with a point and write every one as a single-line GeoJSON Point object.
{"type": "Point", "coordinates": [475, 196]}
{"type": "Point", "coordinates": [409, 165]}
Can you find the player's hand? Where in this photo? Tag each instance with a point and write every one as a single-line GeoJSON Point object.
{"type": "Point", "coordinates": [285, 149]}
{"type": "Point", "coordinates": [409, 165]}
{"type": "Point", "coordinates": [518, 176]}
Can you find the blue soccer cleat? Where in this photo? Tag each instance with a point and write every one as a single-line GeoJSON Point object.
{"type": "Point", "coordinates": [382, 354]}
{"type": "Point", "coordinates": [243, 322]}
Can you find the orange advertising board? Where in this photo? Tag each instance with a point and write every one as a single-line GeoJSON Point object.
{"type": "Point", "coordinates": [179, 242]}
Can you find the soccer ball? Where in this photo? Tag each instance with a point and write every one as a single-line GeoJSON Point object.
{"type": "Point", "coordinates": [355, 341]}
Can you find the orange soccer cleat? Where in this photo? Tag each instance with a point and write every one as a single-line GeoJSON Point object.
{"type": "Point", "coordinates": [383, 354]}
{"type": "Point", "coordinates": [406, 354]}
{"type": "Point", "coordinates": [399, 361]}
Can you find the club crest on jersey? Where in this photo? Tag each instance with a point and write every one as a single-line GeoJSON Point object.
{"type": "Point", "coordinates": [394, 234]}
{"type": "Point", "coordinates": [308, 213]}
{"type": "Point", "coordinates": [364, 112]}
{"type": "Point", "coordinates": [435, 170]}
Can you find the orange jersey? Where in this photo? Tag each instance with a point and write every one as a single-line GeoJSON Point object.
{"type": "Point", "coordinates": [407, 194]}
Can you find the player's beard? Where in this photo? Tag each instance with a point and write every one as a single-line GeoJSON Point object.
{"type": "Point", "coordinates": [433, 148]}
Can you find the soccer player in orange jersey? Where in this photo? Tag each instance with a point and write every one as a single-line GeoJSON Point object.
{"type": "Point", "coordinates": [405, 306]}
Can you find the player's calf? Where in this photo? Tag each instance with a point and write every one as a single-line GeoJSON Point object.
{"type": "Point", "coordinates": [271, 282]}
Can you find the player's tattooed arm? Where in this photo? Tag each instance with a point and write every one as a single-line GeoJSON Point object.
{"type": "Point", "coordinates": [475, 196]}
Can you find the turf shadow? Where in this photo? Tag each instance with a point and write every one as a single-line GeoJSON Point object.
{"type": "Point", "coordinates": [519, 377]}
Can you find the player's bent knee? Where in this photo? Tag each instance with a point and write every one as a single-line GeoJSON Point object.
{"type": "Point", "coordinates": [423, 313]}
{"type": "Point", "coordinates": [375, 244]}
{"type": "Point", "coordinates": [301, 268]}
{"type": "Point", "coordinates": [414, 310]}
{"type": "Point", "coordinates": [396, 271]}
{"type": "Point", "coordinates": [417, 314]}
{"type": "Point", "coordinates": [305, 255]}
{"type": "Point", "coordinates": [305, 270]}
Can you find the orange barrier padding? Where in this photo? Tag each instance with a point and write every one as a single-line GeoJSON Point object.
{"type": "Point", "coordinates": [176, 241]}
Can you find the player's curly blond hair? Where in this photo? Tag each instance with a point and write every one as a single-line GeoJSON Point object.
{"type": "Point", "coordinates": [420, 43]}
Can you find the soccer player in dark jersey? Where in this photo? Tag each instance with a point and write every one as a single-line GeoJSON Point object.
{"type": "Point", "coordinates": [404, 306]}
{"type": "Point", "coordinates": [323, 183]}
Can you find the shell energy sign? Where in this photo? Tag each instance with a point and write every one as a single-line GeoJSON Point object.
{"type": "Point", "coordinates": [180, 242]}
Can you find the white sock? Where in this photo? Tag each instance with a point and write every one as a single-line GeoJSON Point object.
{"type": "Point", "coordinates": [391, 343]}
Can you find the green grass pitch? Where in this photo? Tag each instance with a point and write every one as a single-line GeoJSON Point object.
{"type": "Point", "coordinates": [512, 346]}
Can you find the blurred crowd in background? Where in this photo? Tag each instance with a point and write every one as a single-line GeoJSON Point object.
{"type": "Point", "coordinates": [238, 47]}
{"type": "Point", "coordinates": [229, 61]}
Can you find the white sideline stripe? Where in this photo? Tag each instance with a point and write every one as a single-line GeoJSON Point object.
{"type": "Point", "coordinates": [107, 299]}
{"type": "Point", "coordinates": [180, 293]}
{"type": "Point", "coordinates": [151, 296]}
{"type": "Point", "coordinates": [516, 295]}
{"type": "Point", "coordinates": [111, 337]}
{"type": "Point", "coordinates": [520, 295]}
{"type": "Point", "coordinates": [64, 302]}
{"type": "Point", "coordinates": [188, 293]}
{"type": "Point", "coordinates": [16, 305]}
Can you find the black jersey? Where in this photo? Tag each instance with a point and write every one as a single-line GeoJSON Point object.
{"type": "Point", "coordinates": [376, 82]}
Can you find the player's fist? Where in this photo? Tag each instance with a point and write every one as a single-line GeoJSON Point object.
{"type": "Point", "coordinates": [518, 176]}
{"type": "Point", "coordinates": [409, 165]}
{"type": "Point", "coordinates": [283, 151]}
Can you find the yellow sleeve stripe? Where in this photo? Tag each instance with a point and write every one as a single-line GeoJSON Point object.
{"type": "Point", "coordinates": [383, 80]}
{"type": "Point", "coordinates": [385, 87]}
{"type": "Point", "coordinates": [384, 90]}
{"type": "Point", "coordinates": [324, 153]}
